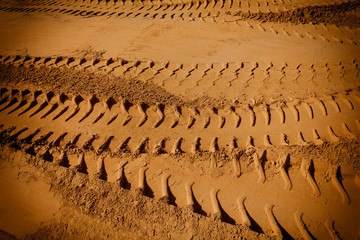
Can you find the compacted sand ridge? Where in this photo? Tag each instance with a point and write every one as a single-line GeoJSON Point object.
{"type": "Point", "coordinates": [177, 119]}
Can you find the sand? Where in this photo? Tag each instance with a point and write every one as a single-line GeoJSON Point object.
{"type": "Point", "coordinates": [179, 120]}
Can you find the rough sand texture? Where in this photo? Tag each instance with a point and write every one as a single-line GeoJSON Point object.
{"type": "Point", "coordinates": [179, 119]}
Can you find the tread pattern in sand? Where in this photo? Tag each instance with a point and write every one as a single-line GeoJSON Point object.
{"type": "Point", "coordinates": [237, 203]}
{"type": "Point", "coordinates": [228, 79]}
{"type": "Point", "coordinates": [195, 6]}
{"type": "Point", "coordinates": [322, 32]}
{"type": "Point", "coordinates": [122, 125]}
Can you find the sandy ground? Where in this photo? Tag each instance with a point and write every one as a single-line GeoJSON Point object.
{"type": "Point", "coordinates": [179, 120]}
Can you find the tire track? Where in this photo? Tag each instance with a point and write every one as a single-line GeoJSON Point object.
{"type": "Point", "coordinates": [155, 179]}
{"type": "Point", "coordinates": [123, 126]}
{"type": "Point", "coordinates": [323, 32]}
{"type": "Point", "coordinates": [246, 6]}
{"type": "Point", "coordinates": [183, 78]}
